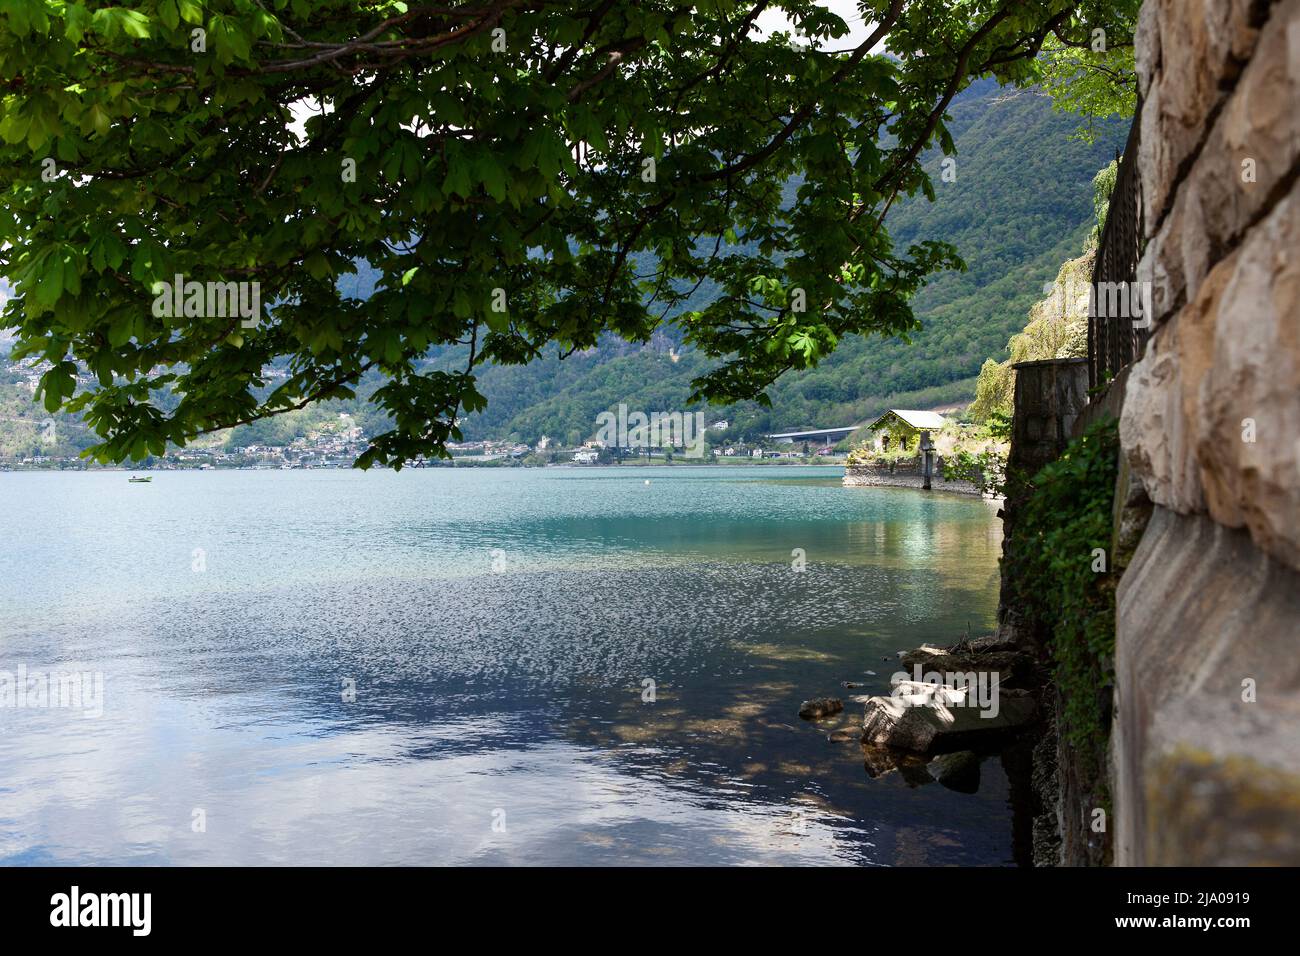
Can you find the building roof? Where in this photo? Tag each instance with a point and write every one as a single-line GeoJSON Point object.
{"type": "Point", "coordinates": [925, 420]}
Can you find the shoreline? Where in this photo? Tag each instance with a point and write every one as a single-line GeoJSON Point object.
{"type": "Point", "coordinates": [492, 463]}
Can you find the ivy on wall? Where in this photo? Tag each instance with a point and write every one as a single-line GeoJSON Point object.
{"type": "Point", "coordinates": [1064, 584]}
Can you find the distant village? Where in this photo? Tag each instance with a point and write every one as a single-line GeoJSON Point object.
{"type": "Point", "coordinates": [337, 444]}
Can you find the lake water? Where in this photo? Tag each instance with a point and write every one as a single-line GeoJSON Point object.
{"type": "Point", "coordinates": [453, 665]}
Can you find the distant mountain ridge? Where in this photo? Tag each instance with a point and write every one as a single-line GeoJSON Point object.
{"type": "Point", "coordinates": [1020, 205]}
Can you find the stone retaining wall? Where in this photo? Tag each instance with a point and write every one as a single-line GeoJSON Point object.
{"type": "Point", "coordinates": [1206, 736]}
{"type": "Point", "coordinates": [1050, 393]}
{"type": "Point", "coordinates": [904, 473]}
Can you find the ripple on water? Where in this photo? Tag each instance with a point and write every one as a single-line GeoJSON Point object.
{"type": "Point", "coordinates": [521, 690]}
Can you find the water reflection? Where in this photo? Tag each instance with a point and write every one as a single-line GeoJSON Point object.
{"type": "Point", "coordinates": [515, 698]}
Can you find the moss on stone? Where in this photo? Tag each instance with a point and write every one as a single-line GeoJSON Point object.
{"type": "Point", "coordinates": [1063, 581]}
{"type": "Point", "coordinates": [1204, 809]}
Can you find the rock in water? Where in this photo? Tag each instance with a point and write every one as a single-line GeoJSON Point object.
{"type": "Point", "coordinates": [924, 714]}
{"type": "Point", "coordinates": [959, 771]}
{"type": "Point", "coordinates": [820, 707]}
{"type": "Point", "coordinates": [880, 761]}
{"type": "Point", "coordinates": [1012, 669]}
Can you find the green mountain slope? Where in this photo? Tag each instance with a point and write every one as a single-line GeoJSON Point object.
{"type": "Point", "coordinates": [1020, 204]}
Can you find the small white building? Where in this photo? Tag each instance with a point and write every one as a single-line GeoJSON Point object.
{"type": "Point", "coordinates": [903, 425]}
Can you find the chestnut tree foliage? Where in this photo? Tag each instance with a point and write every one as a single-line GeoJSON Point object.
{"type": "Point", "coordinates": [523, 174]}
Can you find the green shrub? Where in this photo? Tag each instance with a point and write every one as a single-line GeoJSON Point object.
{"type": "Point", "coordinates": [1065, 518]}
{"type": "Point", "coordinates": [869, 455]}
{"type": "Point", "coordinates": [984, 464]}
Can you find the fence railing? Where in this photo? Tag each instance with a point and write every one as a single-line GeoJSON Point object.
{"type": "Point", "coordinates": [1116, 340]}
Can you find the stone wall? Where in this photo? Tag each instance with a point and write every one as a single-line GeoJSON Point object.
{"type": "Point", "coordinates": [904, 473]}
{"type": "Point", "coordinates": [1206, 737]}
{"type": "Point", "coordinates": [1050, 394]}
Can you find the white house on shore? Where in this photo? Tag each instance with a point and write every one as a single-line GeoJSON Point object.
{"type": "Point", "coordinates": [904, 422]}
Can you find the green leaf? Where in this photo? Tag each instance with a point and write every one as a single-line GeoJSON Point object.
{"type": "Point", "coordinates": [492, 176]}
{"type": "Point", "coordinates": [191, 11]}
{"type": "Point", "coordinates": [76, 21]}
{"type": "Point", "coordinates": [14, 126]}
{"type": "Point", "coordinates": [169, 14]}
{"type": "Point", "coordinates": [99, 119]}
{"type": "Point", "coordinates": [457, 182]}
{"type": "Point", "coordinates": [318, 267]}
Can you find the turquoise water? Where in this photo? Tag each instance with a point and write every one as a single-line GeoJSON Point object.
{"type": "Point", "coordinates": [498, 629]}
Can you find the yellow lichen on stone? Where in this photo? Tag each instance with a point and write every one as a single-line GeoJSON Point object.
{"type": "Point", "coordinates": [1206, 810]}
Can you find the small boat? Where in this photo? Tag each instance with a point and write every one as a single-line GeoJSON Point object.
{"type": "Point", "coordinates": [147, 478]}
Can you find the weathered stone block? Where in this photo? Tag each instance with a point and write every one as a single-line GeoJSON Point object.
{"type": "Point", "coordinates": [925, 717]}
{"type": "Point", "coordinates": [1206, 689]}
{"type": "Point", "coordinates": [1252, 146]}
{"type": "Point", "coordinates": [1146, 47]}
{"type": "Point", "coordinates": [1211, 420]}
{"type": "Point", "coordinates": [1207, 810]}
{"type": "Point", "coordinates": [1187, 63]}
{"type": "Point", "coordinates": [1154, 430]}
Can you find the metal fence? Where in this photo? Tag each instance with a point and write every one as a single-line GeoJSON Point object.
{"type": "Point", "coordinates": [1116, 340]}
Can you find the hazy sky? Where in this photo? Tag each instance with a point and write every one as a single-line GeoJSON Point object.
{"type": "Point", "coordinates": [859, 28]}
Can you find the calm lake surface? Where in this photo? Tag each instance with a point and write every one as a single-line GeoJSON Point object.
{"type": "Point", "coordinates": [499, 626]}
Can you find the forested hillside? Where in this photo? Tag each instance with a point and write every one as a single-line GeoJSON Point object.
{"type": "Point", "coordinates": [1020, 204]}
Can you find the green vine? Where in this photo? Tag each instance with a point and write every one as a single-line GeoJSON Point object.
{"type": "Point", "coordinates": [1066, 581]}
